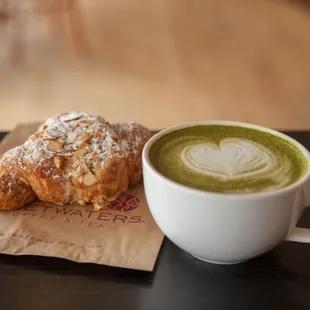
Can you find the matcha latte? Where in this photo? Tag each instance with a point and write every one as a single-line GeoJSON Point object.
{"type": "Point", "coordinates": [228, 159]}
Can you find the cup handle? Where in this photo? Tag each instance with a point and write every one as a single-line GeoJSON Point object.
{"type": "Point", "coordinates": [306, 195]}
{"type": "Point", "coordinates": [298, 234]}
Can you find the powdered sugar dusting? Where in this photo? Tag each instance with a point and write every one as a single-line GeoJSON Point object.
{"type": "Point", "coordinates": [67, 133]}
{"type": "Point", "coordinates": [74, 148]}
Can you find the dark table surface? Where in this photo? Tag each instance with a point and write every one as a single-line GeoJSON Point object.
{"type": "Point", "coordinates": [279, 279]}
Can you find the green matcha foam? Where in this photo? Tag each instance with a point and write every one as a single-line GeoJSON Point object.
{"type": "Point", "coordinates": [228, 159]}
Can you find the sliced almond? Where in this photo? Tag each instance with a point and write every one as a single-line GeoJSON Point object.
{"type": "Point", "coordinates": [72, 137]}
{"type": "Point", "coordinates": [49, 138]}
{"type": "Point", "coordinates": [86, 122]}
{"type": "Point", "coordinates": [71, 117]}
{"type": "Point", "coordinates": [80, 153]}
{"type": "Point", "coordinates": [57, 161]}
{"type": "Point", "coordinates": [55, 146]}
{"type": "Point", "coordinates": [89, 179]}
{"type": "Point", "coordinates": [55, 133]}
{"type": "Point", "coordinates": [85, 137]}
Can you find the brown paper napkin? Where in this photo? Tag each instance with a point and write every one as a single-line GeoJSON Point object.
{"type": "Point", "coordinates": [122, 235]}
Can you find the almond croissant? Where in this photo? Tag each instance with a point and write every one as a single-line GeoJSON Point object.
{"type": "Point", "coordinates": [73, 158]}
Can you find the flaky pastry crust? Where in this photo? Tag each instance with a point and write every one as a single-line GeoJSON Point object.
{"type": "Point", "coordinates": [73, 158]}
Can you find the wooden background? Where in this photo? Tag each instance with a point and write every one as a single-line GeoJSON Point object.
{"type": "Point", "coordinates": [158, 62]}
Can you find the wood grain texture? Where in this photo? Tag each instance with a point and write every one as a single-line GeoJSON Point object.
{"type": "Point", "coordinates": [157, 62]}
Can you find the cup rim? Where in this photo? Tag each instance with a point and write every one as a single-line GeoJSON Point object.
{"type": "Point", "coordinates": [155, 137]}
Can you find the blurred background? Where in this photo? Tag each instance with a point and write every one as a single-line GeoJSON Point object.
{"type": "Point", "coordinates": [157, 62]}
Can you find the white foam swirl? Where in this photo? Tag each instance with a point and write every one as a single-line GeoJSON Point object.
{"type": "Point", "coordinates": [233, 159]}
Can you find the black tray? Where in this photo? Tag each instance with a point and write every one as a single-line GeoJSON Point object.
{"type": "Point", "coordinates": [279, 279]}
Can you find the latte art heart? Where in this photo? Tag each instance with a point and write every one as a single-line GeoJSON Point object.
{"type": "Point", "coordinates": [232, 159]}
{"type": "Point", "coordinates": [229, 159]}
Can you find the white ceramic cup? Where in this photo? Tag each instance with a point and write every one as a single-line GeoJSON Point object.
{"type": "Point", "coordinates": [225, 228]}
